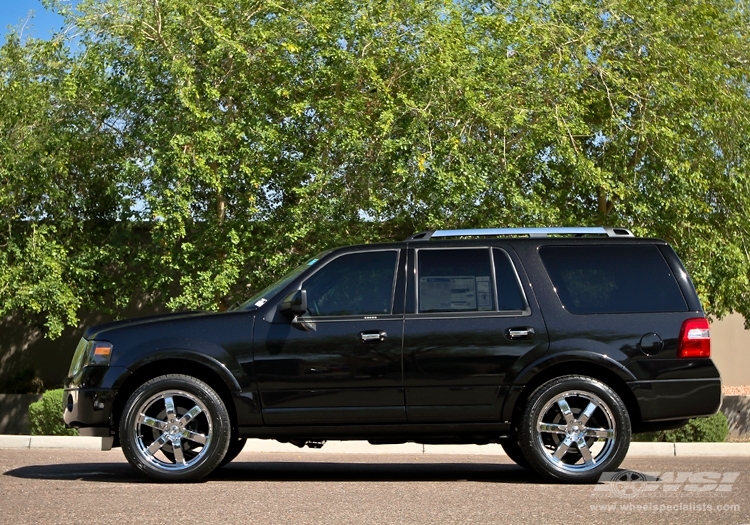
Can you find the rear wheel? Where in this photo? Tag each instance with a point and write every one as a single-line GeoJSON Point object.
{"type": "Point", "coordinates": [175, 428]}
{"type": "Point", "coordinates": [574, 428]}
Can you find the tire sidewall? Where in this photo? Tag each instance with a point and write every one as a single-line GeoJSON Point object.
{"type": "Point", "coordinates": [217, 413]}
{"type": "Point", "coordinates": [528, 433]}
{"type": "Point", "coordinates": [513, 450]}
{"type": "Point", "coordinates": [235, 447]}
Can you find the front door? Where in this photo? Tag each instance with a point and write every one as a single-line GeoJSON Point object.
{"type": "Point", "coordinates": [340, 362]}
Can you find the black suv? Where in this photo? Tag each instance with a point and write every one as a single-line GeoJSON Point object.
{"type": "Point", "coordinates": [557, 343]}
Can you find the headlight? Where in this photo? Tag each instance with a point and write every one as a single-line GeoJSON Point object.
{"type": "Point", "coordinates": [90, 353]}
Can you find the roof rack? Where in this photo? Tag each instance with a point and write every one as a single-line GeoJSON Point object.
{"type": "Point", "coordinates": [522, 232]}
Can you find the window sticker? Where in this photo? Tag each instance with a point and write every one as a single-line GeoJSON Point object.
{"type": "Point", "coordinates": [484, 297]}
{"type": "Point", "coordinates": [448, 293]}
{"type": "Point", "coordinates": [261, 302]}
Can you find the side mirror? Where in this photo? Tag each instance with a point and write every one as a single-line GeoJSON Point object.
{"type": "Point", "coordinates": [295, 303]}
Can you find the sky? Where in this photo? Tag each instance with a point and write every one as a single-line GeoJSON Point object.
{"type": "Point", "coordinates": [15, 12]}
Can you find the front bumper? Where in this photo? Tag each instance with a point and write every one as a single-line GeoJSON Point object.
{"type": "Point", "coordinates": [88, 407]}
{"type": "Point", "coordinates": [89, 398]}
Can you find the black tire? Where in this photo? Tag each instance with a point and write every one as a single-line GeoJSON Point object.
{"type": "Point", "coordinates": [235, 447]}
{"type": "Point", "coordinates": [175, 428]}
{"type": "Point", "coordinates": [513, 450]}
{"type": "Point", "coordinates": [573, 429]}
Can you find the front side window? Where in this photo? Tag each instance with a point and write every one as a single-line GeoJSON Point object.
{"type": "Point", "coordinates": [353, 284]}
{"type": "Point", "coordinates": [262, 297]}
{"type": "Point", "coordinates": [612, 279]}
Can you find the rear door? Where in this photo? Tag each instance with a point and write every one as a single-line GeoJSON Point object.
{"type": "Point", "coordinates": [469, 319]}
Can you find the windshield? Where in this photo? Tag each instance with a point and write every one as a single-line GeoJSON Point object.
{"type": "Point", "coordinates": [260, 298]}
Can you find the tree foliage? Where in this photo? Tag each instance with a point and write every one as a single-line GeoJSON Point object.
{"type": "Point", "coordinates": [191, 151]}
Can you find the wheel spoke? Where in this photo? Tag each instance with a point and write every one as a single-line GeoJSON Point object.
{"type": "Point", "coordinates": [143, 419]}
{"type": "Point", "coordinates": [551, 427]}
{"type": "Point", "coordinates": [588, 412]}
{"type": "Point", "coordinates": [565, 409]}
{"type": "Point", "coordinates": [157, 444]}
{"type": "Point", "coordinates": [169, 405]}
{"type": "Point", "coordinates": [194, 436]}
{"type": "Point", "coordinates": [179, 456]}
{"type": "Point", "coordinates": [583, 448]}
{"type": "Point", "coordinates": [604, 433]}
{"type": "Point", "coordinates": [187, 418]}
{"type": "Point", "coordinates": [563, 448]}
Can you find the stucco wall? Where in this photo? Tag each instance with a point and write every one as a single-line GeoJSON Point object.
{"type": "Point", "coordinates": [14, 413]}
{"type": "Point", "coordinates": [730, 350]}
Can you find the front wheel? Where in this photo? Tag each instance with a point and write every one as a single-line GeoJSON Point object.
{"type": "Point", "coordinates": [574, 428]}
{"type": "Point", "coordinates": [175, 428]}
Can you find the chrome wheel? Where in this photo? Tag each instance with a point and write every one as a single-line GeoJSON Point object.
{"type": "Point", "coordinates": [175, 428]}
{"type": "Point", "coordinates": [574, 428]}
{"type": "Point", "coordinates": [172, 430]}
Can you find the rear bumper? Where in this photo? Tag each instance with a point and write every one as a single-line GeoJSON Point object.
{"type": "Point", "coordinates": [677, 399]}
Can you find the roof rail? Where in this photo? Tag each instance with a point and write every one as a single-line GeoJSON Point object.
{"type": "Point", "coordinates": [522, 232]}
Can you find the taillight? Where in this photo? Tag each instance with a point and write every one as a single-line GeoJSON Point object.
{"type": "Point", "coordinates": [695, 339]}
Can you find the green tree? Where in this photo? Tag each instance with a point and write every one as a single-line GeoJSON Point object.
{"type": "Point", "coordinates": [65, 205]}
{"type": "Point", "coordinates": [193, 151]}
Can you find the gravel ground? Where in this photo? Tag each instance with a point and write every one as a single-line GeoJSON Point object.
{"type": "Point", "coordinates": [736, 390]}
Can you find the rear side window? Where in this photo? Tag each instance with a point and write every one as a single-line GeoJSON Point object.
{"type": "Point", "coordinates": [458, 280]}
{"type": "Point", "coordinates": [612, 279]}
{"type": "Point", "coordinates": [466, 280]}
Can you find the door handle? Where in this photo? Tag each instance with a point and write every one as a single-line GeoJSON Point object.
{"type": "Point", "coordinates": [376, 336]}
{"type": "Point", "coordinates": [519, 332]}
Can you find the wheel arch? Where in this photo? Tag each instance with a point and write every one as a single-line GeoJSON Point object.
{"type": "Point", "coordinates": [173, 365]}
{"type": "Point", "coordinates": [518, 396]}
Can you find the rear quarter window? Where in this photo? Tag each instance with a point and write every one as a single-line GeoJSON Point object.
{"type": "Point", "coordinates": [612, 279]}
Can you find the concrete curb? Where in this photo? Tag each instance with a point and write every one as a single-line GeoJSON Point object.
{"type": "Point", "coordinates": [712, 449]}
{"type": "Point", "coordinates": [640, 449]}
{"type": "Point", "coordinates": [637, 449]}
{"type": "Point", "coordinates": [56, 442]}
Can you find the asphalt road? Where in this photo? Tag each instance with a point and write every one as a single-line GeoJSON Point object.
{"type": "Point", "coordinates": [73, 486]}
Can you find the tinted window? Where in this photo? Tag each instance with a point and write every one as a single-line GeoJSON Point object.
{"type": "Point", "coordinates": [353, 284]}
{"type": "Point", "coordinates": [509, 294]}
{"type": "Point", "coordinates": [612, 279]}
{"type": "Point", "coordinates": [455, 280]}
